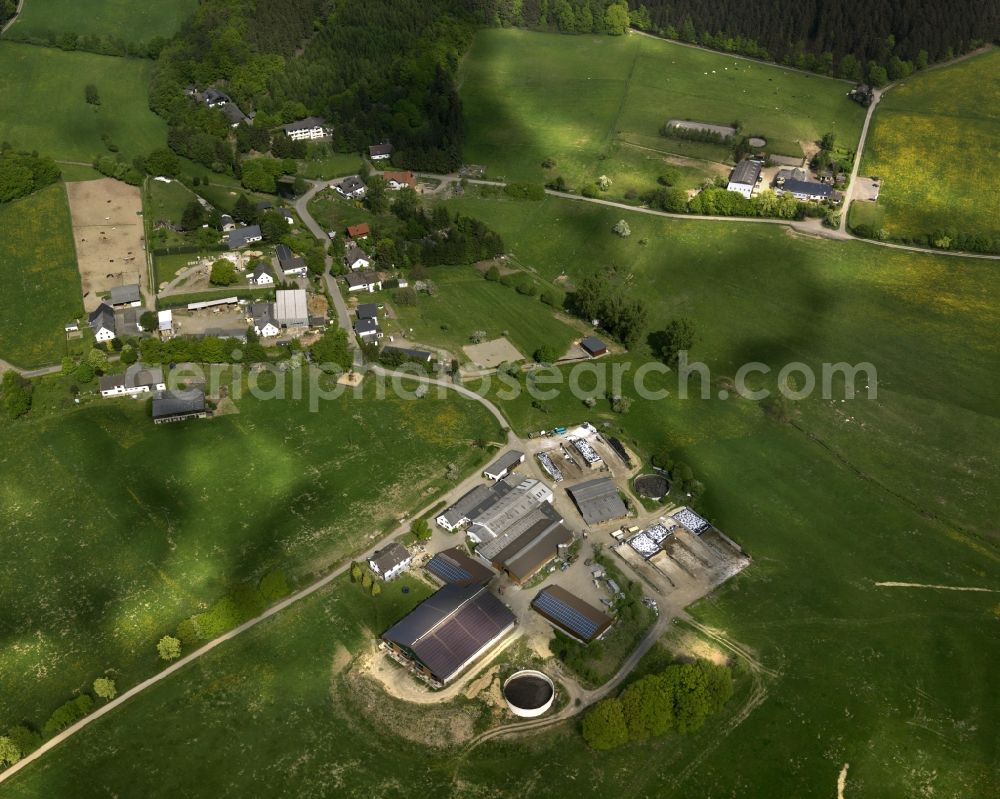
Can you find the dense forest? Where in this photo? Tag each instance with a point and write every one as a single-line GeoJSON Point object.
{"type": "Point", "coordinates": [848, 38]}
{"type": "Point", "coordinates": [377, 70]}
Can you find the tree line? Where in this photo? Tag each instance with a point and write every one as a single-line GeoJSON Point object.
{"type": "Point", "coordinates": [679, 698]}
{"type": "Point", "coordinates": [23, 173]}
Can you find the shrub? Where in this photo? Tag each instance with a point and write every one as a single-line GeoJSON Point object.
{"type": "Point", "coordinates": [525, 191]}
{"type": "Point", "coordinates": [67, 714]}
{"type": "Point", "coordinates": [550, 297]}
{"type": "Point", "coordinates": [169, 648]}
{"type": "Point", "coordinates": [493, 274]}
{"type": "Point", "coordinates": [274, 586]}
{"type": "Point", "coordinates": [105, 688]}
{"type": "Point", "coordinates": [546, 354]}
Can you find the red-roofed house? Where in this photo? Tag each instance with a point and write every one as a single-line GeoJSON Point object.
{"type": "Point", "coordinates": [359, 231]}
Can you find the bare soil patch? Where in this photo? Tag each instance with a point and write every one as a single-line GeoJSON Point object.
{"type": "Point", "coordinates": [490, 354]}
{"type": "Point", "coordinates": [108, 235]}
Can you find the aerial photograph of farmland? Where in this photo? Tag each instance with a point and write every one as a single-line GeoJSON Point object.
{"type": "Point", "coordinates": [499, 398]}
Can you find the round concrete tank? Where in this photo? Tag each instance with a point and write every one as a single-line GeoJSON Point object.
{"type": "Point", "coordinates": [529, 693]}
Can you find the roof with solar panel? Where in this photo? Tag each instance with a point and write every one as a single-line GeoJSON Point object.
{"type": "Point", "coordinates": [455, 567]}
{"type": "Point", "coordinates": [570, 613]}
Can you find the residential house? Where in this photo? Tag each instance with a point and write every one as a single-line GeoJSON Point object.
{"type": "Point", "coordinates": [352, 188]}
{"type": "Point", "coordinates": [261, 316]}
{"type": "Point", "coordinates": [262, 275]}
{"type": "Point", "coordinates": [380, 152]}
{"type": "Point", "coordinates": [306, 129]}
{"type": "Point", "coordinates": [241, 237]}
{"type": "Point", "coordinates": [400, 180]}
{"type": "Point", "coordinates": [286, 214]}
{"type": "Point", "coordinates": [176, 406]}
{"type": "Point", "coordinates": [102, 322]}
{"type": "Point", "coordinates": [128, 321]}
{"type": "Point", "coordinates": [796, 182]}
{"type": "Point", "coordinates": [363, 281]}
{"type": "Point", "coordinates": [359, 231]}
{"type": "Point", "coordinates": [137, 379]}
{"type": "Point", "coordinates": [126, 295]}
{"type": "Point", "coordinates": [291, 265]}
{"type": "Point", "coordinates": [355, 258]}
{"type": "Point", "coordinates": [234, 116]}
{"type": "Point", "coordinates": [291, 308]}
{"type": "Point", "coordinates": [390, 561]}
{"type": "Point", "coordinates": [367, 310]}
{"type": "Point", "coordinates": [214, 98]}
{"type": "Point", "coordinates": [745, 177]}
{"type": "Point", "coordinates": [228, 223]}
{"type": "Point", "coordinates": [368, 330]}
{"type": "Point", "coordinates": [263, 205]}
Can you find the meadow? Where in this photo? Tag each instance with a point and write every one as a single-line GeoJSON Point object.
{"type": "Point", "coordinates": [41, 285]}
{"type": "Point", "coordinates": [595, 105]}
{"type": "Point", "coordinates": [466, 302]}
{"type": "Point", "coordinates": [42, 104]}
{"type": "Point", "coordinates": [117, 529]}
{"type": "Point", "coordinates": [897, 682]}
{"type": "Point", "coordinates": [933, 143]}
{"type": "Point", "coordinates": [129, 20]}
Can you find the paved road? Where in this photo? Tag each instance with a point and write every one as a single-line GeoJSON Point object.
{"type": "Point", "coordinates": [13, 19]}
{"type": "Point", "coordinates": [6, 366]}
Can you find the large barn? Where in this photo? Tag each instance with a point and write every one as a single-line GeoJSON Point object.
{"type": "Point", "coordinates": [446, 633]}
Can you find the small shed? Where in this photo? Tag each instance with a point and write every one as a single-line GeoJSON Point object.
{"type": "Point", "coordinates": [594, 347]}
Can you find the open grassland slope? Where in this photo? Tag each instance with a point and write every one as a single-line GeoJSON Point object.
{"type": "Point", "coordinates": [128, 20]}
{"type": "Point", "coordinates": [595, 105]}
{"type": "Point", "coordinates": [934, 145]}
{"type": "Point", "coordinates": [895, 681]}
{"type": "Point", "coordinates": [43, 105]}
{"type": "Point", "coordinates": [41, 285]}
{"type": "Point", "coordinates": [116, 529]}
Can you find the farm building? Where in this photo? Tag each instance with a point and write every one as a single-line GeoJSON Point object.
{"type": "Point", "coordinates": [390, 561]}
{"type": "Point", "coordinates": [598, 500]}
{"type": "Point", "coordinates": [306, 129]}
{"type": "Point", "coordinates": [165, 322]}
{"type": "Point", "coordinates": [571, 614]}
{"type": "Point", "coordinates": [472, 504]}
{"type": "Point", "coordinates": [380, 152]}
{"type": "Point", "coordinates": [501, 467]}
{"type": "Point", "coordinates": [449, 631]}
{"type": "Point", "coordinates": [176, 406]}
{"type": "Point", "coordinates": [352, 188]}
{"type": "Point", "coordinates": [796, 182]}
{"type": "Point", "coordinates": [527, 495]}
{"type": "Point", "coordinates": [744, 177]}
{"type": "Point", "coordinates": [455, 567]}
{"type": "Point", "coordinates": [126, 295]}
{"type": "Point", "coordinates": [527, 545]}
{"type": "Point", "coordinates": [136, 380]}
{"type": "Point", "coordinates": [291, 308]}
{"type": "Point", "coordinates": [103, 323]}
{"type": "Point", "coordinates": [593, 346]}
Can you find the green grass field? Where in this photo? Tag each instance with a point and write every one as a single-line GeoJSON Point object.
{"type": "Point", "coordinates": [466, 302]}
{"type": "Point", "coordinates": [121, 19]}
{"type": "Point", "coordinates": [42, 105]}
{"type": "Point", "coordinates": [41, 284]}
{"type": "Point", "coordinates": [897, 682]}
{"type": "Point", "coordinates": [117, 529]}
{"type": "Point", "coordinates": [595, 104]}
{"type": "Point", "coordinates": [933, 143]}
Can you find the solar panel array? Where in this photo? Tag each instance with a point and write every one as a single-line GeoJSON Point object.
{"type": "Point", "coordinates": [447, 570]}
{"type": "Point", "coordinates": [473, 627]}
{"type": "Point", "coordinates": [691, 520]}
{"type": "Point", "coordinates": [569, 617]}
